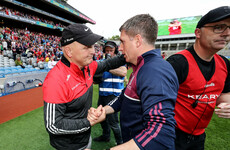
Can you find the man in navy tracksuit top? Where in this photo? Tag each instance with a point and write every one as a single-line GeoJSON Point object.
{"type": "Point", "coordinates": [146, 105]}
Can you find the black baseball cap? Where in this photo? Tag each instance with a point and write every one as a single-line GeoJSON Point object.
{"type": "Point", "coordinates": [214, 15]}
{"type": "Point", "coordinates": [80, 33]}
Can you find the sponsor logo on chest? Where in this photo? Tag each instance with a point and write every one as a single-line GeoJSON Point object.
{"type": "Point", "coordinates": [205, 96]}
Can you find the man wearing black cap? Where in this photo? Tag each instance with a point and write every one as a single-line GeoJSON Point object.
{"type": "Point", "coordinates": [111, 86]}
{"type": "Point", "coordinates": [204, 80]}
{"type": "Point", "coordinates": [68, 88]}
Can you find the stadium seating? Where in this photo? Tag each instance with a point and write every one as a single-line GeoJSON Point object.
{"type": "Point", "coordinates": [18, 74]}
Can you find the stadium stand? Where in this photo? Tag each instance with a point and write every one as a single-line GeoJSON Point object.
{"type": "Point", "coordinates": [178, 34]}
{"type": "Point", "coordinates": [172, 44]}
{"type": "Point", "coordinates": [31, 30]}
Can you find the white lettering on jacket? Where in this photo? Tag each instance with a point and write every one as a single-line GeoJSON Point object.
{"type": "Point", "coordinates": [68, 76]}
{"type": "Point", "coordinates": [205, 96]}
{"type": "Point", "coordinates": [76, 86]}
{"type": "Point", "coordinates": [130, 82]}
{"type": "Point", "coordinates": [211, 84]}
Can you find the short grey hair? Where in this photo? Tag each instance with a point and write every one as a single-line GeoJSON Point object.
{"type": "Point", "coordinates": [142, 24]}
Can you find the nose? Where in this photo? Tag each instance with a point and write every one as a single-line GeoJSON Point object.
{"type": "Point", "coordinates": [120, 47]}
{"type": "Point", "coordinates": [92, 50]}
{"type": "Point", "coordinates": [228, 28]}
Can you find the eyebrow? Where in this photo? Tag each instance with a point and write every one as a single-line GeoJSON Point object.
{"type": "Point", "coordinates": [89, 46]}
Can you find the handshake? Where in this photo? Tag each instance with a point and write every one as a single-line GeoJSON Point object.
{"type": "Point", "coordinates": [96, 115]}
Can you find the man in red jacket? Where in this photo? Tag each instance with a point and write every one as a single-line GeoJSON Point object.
{"type": "Point", "coordinates": [204, 80]}
{"type": "Point", "coordinates": [68, 89]}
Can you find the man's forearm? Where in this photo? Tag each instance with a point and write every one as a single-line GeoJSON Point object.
{"type": "Point", "coordinates": [121, 71]}
{"type": "Point", "coordinates": [111, 63]}
{"type": "Point", "coordinates": [130, 145]}
{"type": "Point", "coordinates": [108, 109]}
{"type": "Point", "coordinates": [223, 98]}
{"type": "Point", "coordinates": [223, 105]}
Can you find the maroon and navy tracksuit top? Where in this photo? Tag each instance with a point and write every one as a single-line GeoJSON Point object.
{"type": "Point", "coordinates": [146, 105]}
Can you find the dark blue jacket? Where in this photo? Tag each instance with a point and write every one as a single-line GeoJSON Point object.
{"type": "Point", "coordinates": [146, 105]}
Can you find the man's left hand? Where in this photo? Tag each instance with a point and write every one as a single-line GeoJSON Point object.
{"type": "Point", "coordinates": [223, 110]}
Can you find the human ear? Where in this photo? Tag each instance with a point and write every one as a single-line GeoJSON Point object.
{"type": "Point", "coordinates": [68, 51]}
{"type": "Point", "coordinates": [139, 40]}
{"type": "Point", "coordinates": [198, 32]}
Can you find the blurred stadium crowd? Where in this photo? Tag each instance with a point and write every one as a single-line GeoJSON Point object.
{"type": "Point", "coordinates": [29, 46]}
{"type": "Point", "coordinates": [11, 11]}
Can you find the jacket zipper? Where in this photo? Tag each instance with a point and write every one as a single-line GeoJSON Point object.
{"type": "Point", "coordinates": [83, 71]}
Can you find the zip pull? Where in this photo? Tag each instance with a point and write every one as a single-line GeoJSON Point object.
{"type": "Point", "coordinates": [83, 71]}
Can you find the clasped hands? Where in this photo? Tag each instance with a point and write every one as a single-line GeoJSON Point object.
{"type": "Point", "coordinates": [96, 115]}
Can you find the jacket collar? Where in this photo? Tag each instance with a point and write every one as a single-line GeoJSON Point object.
{"type": "Point", "coordinates": [73, 66]}
{"type": "Point", "coordinates": [155, 52]}
{"type": "Point", "coordinates": [65, 61]}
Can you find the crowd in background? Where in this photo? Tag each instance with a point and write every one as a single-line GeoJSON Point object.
{"type": "Point", "coordinates": [25, 43]}
{"type": "Point", "coordinates": [98, 55]}
{"type": "Point", "coordinates": [11, 11]}
{"type": "Point", "coordinates": [29, 44]}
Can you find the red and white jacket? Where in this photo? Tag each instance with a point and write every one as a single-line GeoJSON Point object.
{"type": "Point", "coordinates": [67, 94]}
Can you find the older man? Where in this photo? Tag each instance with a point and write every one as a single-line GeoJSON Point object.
{"type": "Point", "coordinates": [68, 89]}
